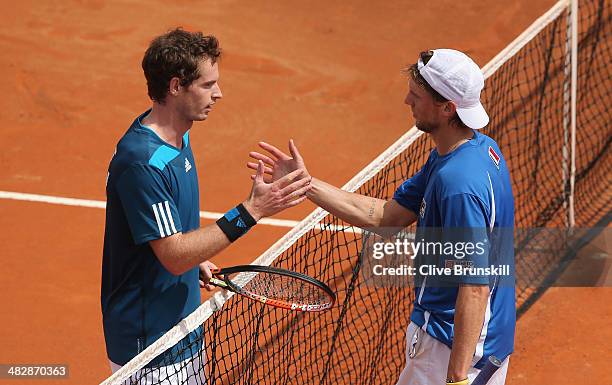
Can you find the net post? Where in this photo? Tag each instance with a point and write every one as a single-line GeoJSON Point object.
{"type": "Point", "coordinates": [574, 88]}
{"type": "Point", "coordinates": [567, 111]}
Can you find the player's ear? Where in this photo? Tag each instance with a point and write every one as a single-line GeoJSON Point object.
{"type": "Point", "coordinates": [174, 87]}
{"type": "Point", "coordinates": [449, 108]}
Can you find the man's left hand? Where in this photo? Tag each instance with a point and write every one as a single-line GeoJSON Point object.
{"type": "Point", "coordinates": [206, 275]}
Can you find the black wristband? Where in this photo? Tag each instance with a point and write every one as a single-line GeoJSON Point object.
{"type": "Point", "coordinates": [236, 222]}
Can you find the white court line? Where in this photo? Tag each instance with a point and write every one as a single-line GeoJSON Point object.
{"type": "Point", "coordinates": [102, 205]}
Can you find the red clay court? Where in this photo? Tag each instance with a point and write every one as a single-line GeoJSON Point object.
{"type": "Point", "coordinates": [326, 74]}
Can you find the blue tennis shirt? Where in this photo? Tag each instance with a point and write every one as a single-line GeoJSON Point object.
{"type": "Point", "coordinates": [152, 192]}
{"type": "Point", "coordinates": [465, 197]}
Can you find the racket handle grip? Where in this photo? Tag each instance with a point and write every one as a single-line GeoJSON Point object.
{"type": "Point", "coordinates": [487, 371]}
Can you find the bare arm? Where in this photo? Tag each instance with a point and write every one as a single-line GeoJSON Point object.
{"type": "Point", "coordinates": [183, 251]}
{"type": "Point", "coordinates": [359, 210]}
{"type": "Point", "coordinates": [470, 310]}
{"type": "Point", "coordinates": [356, 209]}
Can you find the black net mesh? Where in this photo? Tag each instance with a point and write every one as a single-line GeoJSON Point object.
{"type": "Point", "coordinates": [592, 194]}
{"type": "Point", "coordinates": [361, 339]}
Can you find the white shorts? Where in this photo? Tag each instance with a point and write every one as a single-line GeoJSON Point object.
{"type": "Point", "coordinates": [188, 372]}
{"type": "Point", "coordinates": [427, 361]}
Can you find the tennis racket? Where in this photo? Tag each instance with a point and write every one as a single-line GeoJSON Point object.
{"type": "Point", "coordinates": [487, 371]}
{"type": "Point", "coordinates": [276, 287]}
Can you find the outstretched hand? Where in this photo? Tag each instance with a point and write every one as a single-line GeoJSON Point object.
{"type": "Point", "coordinates": [277, 164]}
{"type": "Point", "coordinates": [267, 199]}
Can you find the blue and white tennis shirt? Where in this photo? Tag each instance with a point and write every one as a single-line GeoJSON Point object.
{"type": "Point", "coordinates": [152, 192]}
{"type": "Point", "coordinates": [468, 190]}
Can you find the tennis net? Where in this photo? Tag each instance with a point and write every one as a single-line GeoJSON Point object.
{"type": "Point", "coordinates": [546, 95]}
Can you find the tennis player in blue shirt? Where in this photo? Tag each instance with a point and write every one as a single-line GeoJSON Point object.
{"type": "Point", "coordinates": [154, 248]}
{"type": "Point", "coordinates": [464, 189]}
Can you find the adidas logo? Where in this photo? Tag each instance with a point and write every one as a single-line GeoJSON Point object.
{"type": "Point", "coordinates": [187, 165]}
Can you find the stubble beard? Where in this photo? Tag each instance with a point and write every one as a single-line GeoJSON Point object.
{"type": "Point", "coordinates": [426, 127]}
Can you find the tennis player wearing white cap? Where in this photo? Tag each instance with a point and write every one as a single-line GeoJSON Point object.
{"type": "Point", "coordinates": [457, 322]}
{"type": "Point", "coordinates": [464, 184]}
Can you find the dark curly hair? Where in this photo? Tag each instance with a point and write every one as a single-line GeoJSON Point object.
{"type": "Point", "coordinates": [413, 72]}
{"type": "Point", "coordinates": [176, 53]}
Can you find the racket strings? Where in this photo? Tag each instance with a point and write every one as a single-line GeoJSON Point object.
{"type": "Point", "coordinates": [285, 288]}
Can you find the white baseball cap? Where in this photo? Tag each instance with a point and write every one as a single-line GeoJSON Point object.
{"type": "Point", "coordinates": [456, 77]}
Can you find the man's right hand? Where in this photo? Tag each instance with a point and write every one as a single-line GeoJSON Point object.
{"type": "Point", "coordinates": [277, 163]}
{"type": "Point", "coordinates": [267, 199]}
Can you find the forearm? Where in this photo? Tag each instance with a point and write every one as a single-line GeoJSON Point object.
{"type": "Point", "coordinates": [470, 310]}
{"type": "Point", "coordinates": [182, 252]}
{"type": "Point", "coordinates": [190, 249]}
{"type": "Point", "coordinates": [353, 208]}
